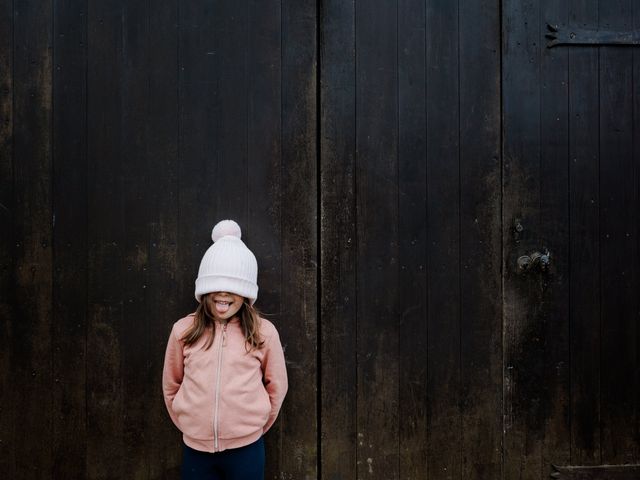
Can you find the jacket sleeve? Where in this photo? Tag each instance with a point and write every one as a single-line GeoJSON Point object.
{"type": "Point", "coordinates": [274, 377]}
{"type": "Point", "coordinates": [172, 373]}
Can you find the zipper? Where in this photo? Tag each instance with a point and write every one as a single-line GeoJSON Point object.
{"type": "Point", "coordinates": [223, 342]}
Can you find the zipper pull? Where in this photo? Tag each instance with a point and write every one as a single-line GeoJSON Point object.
{"type": "Point", "coordinates": [224, 335]}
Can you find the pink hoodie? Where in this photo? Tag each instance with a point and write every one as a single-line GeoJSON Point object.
{"type": "Point", "coordinates": [223, 397]}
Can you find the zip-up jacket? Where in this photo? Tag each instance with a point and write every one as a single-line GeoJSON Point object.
{"type": "Point", "coordinates": [223, 397]}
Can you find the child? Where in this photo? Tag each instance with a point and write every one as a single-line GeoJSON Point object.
{"type": "Point", "coordinates": [224, 375]}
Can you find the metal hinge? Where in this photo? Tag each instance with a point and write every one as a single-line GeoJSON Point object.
{"type": "Point", "coordinates": [610, 472]}
{"type": "Point", "coordinates": [578, 36]}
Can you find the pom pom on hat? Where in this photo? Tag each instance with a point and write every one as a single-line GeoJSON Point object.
{"type": "Point", "coordinates": [225, 227]}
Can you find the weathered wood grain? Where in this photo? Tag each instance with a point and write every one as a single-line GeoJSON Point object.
{"type": "Point", "coordinates": [480, 240]}
{"type": "Point", "coordinates": [106, 243]}
{"type": "Point", "coordinates": [554, 230]}
{"type": "Point", "coordinates": [526, 403]}
{"type": "Point", "coordinates": [412, 241]}
{"type": "Point", "coordinates": [69, 299]}
{"type": "Point", "coordinates": [618, 244]}
{"type": "Point", "coordinates": [161, 301]}
{"type": "Point", "coordinates": [7, 242]}
{"type": "Point", "coordinates": [584, 241]}
{"type": "Point", "coordinates": [444, 388]}
{"type": "Point", "coordinates": [137, 209]}
{"type": "Point", "coordinates": [31, 322]}
{"type": "Point", "coordinates": [338, 273]}
{"type": "Point", "coordinates": [376, 176]}
{"type": "Point", "coordinates": [264, 174]}
{"type": "Point", "coordinates": [230, 50]}
{"type": "Point", "coordinates": [299, 242]}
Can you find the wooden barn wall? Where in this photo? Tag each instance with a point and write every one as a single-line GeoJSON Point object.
{"type": "Point", "coordinates": [388, 161]}
{"type": "Point", "coordinates": [128, 129]}
{"type": "Point", "coordinates": [411, 370]}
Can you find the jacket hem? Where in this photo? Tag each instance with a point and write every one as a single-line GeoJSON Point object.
{"type": "Point", "coordinates": [223, 443]}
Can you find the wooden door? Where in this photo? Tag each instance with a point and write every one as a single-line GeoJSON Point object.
{"type": "Point", "coordinates": [571, 173]}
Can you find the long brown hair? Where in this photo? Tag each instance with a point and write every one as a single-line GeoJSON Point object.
{"type": "Point", "coordinates": [203, 322]}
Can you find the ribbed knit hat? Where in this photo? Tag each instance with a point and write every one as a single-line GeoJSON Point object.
{"type": "Point", "coordinates": [228, 265]}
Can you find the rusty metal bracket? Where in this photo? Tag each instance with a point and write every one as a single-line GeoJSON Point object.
{"type": "Point", "coordinates": [608, 472]}
{"type": "Point", "coordinates": [578, 36]}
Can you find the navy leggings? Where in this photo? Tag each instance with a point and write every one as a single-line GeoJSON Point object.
{"type": "Point", "coordinates": [243, 463]}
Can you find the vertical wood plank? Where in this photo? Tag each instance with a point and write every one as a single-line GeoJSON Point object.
{"type": "Point", "coordinates": [553, 317]}
{"type": "Point", "coordinates": [635, 287]}
{"type": "Point", "coordinates": [377, 238]}
{"type": "Point", "coordinates": [444, 434]}
{"type": "Point", "coordinates": [198, 138]}
{"type": "Point", "coordinates": [162, 170]}
{"type": "Point", "coordinates": [106, 242]}
{"type": "Point", "coordinates": [338, 241]}
{"type": "Point", "coordinates": [584, 275]}
{"type": "Point", "coordinates": [264, 175]}
{"type": "Point", "coordinates": [412, 240]}
{"type": "Point", "coordinates": [480, 240]}
{"type": "Point", "coordinates": [7, 241]}
{"type": "Point", "coordinates": [69, 319]}
{"type": "Point", "coordinates": [618, 247]}
{"type": "Point", "coordinates": [231, 50]}
{"type": "Point", "coordinates": [33, 257]}
{"type": "Point", "coordinates": [524, 401]}
{"type": "Point", "coordinates": [299, 236]}
{"type": "Point", "coordinates": [198, 163]}
{"type": "Point", "coordinates": [134, 337]}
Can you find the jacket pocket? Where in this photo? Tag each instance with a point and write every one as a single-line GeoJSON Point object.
{"type": "Point", "coordinates": [193, 415]}
{"type": "Point", "coordinates": [247, 414]}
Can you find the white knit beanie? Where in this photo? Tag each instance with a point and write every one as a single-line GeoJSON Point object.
{"type": "Point", "coordinates": [228, 265]}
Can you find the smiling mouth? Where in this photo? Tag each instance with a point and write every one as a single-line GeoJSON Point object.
{"type": "Point", "coordinates": [222, 306]}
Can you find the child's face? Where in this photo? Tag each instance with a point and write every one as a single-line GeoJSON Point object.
{"type": "Point", "coordinates": [224, 305]}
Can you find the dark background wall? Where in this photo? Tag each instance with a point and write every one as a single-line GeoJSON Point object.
{"type": "Point", "coordinates": [388, 162]}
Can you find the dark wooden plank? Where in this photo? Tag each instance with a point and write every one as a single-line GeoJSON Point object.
{"type": "Point", "coordinates": [70, 162]}
{"type": "Point", "coordinates": [480, 240]}
{"type": "Point", "coordinates": [134, 338]}
{"type": "Point", "coordinates": [444, 429]}
{"type": "Point", "coordinates": [32, 214]}
{"type": "Point", "coordinates": [618, 247]}
{"type": "Point", "coordinates": [231, 52]}
{"type": "Point", "coordinates": [525, 403]}
{"type": "Point", "coordinates": [7, 242]}
{"type": "Point", "coordinates": [584, 275]}
{"type": "Point", "coordinates": [197, 172]}
{"type": "Point", "coordinates": [162, 172]}
{"type": "Point", "coordinates": [106, 242]}
{"type": "Point", "coordinates": [299, 237]}
{"type": "Point", "coordinates": [412, 240]}
{"type": "Point", "coordinates": [377, 239]}
{"type": "Point", "coordinates": [553, 234]}
{"type": "Point", "coordinates": [196, 163]}
{"type": "Point", "coordinates": [338, 241]}
{"type": "Point", "coordinates": [263, 230]}
{"type": "Point", "coordinates": [635, 270]}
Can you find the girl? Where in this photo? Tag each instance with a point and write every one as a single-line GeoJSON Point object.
{"type": "Point", "coordinates": [224, 375]}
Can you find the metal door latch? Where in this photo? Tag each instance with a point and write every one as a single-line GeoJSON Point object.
{"type": "Point", "coordinates": [534, 261]}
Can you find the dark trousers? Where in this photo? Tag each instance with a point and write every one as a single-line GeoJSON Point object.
{"type": "Point", "coordinates": [244, 463]}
